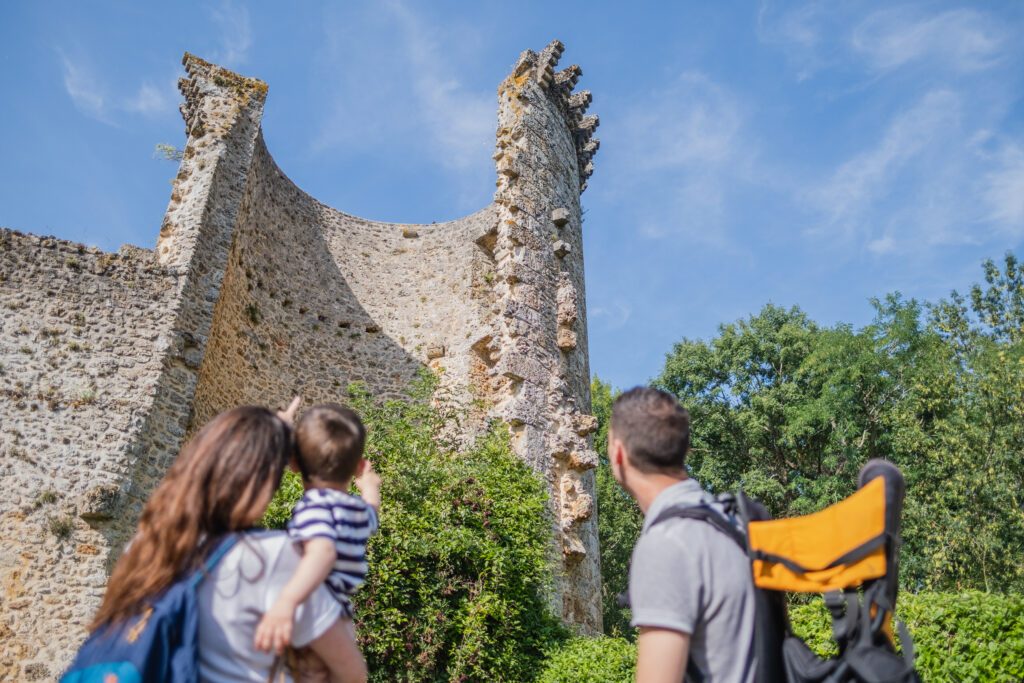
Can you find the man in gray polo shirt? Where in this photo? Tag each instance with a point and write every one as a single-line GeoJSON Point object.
{"type": "Point", "coordinates": [690, 586]}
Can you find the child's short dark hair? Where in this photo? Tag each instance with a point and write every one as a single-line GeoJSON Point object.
{"type": "Point", "coordinates": [330, 439]}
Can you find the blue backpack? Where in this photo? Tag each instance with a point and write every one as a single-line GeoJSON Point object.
{"type": "Point", "coordinates": [161, 644]}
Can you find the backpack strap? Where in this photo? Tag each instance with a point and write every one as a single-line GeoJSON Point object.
{"type": "Point", "coordinates": [212, 559]}
{"type": "Point", "coordinates": [706, 513]}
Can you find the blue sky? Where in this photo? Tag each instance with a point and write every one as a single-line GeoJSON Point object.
{"type": "Point", "coordinates": [809, 153]}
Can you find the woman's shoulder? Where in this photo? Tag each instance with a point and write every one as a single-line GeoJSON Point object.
{"type": "Point", "coordinates": [270, 549]}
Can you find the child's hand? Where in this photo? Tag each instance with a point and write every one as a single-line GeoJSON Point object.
{"type": "Point", "coordinates": [288, 414]}
{"type": "Point", "coordinates": [368, 482]}
{"type": "Point", "coordinates": [274, 633]}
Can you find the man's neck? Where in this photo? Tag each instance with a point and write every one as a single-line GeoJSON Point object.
{"type": "Point", "coordinates": [646, 488]}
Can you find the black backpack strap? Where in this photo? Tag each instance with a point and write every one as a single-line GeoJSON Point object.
{"type": "Point", "coordinates": [693, 672]}
{"type": "Point", "coordinates": [704, 513]}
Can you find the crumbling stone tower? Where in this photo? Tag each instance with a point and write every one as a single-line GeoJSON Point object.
{"type": "Point", "coordinates": [257, 291]}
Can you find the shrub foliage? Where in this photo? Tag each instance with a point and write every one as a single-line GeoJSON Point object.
{"type": "Point", "coordinates": [959, 638]}
{"type": "Point", "coordinates": [970, 636]}
{"type": "Point", "coordinates": [618, 524]}
{"type": "Point", "coordinates": [460, 571]}
{"type": "Point", "coordinates": [591, 660]}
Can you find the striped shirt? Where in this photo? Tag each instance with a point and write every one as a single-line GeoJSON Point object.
{"type": "Point", "coordinates": [349, 522]}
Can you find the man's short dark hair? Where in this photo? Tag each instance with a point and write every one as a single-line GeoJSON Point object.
{"type": "Point", "coordinates": [653, 427]}
{"type": "Point", "coordinates": [330, 439]}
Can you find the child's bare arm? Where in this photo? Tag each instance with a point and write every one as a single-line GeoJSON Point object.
{"type": "Point", "coordinates": [368, 482]}
{"type": "Point", "coordinates": [275, 629]}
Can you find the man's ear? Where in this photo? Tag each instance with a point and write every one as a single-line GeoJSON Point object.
{"type": "Point", "coordinates": [360, 468]}
{"type": "Point", "coordinates": [616, 456]}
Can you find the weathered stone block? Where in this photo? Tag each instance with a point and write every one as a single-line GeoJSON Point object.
{"type": "Point", "coordinates": [560, 216]}
{"type": "Point", "coordinates": [100, 502]}
{"type": "Point", "coordinates": [567, 339]}
{"type": "Point", "coordinates": [584, 424]}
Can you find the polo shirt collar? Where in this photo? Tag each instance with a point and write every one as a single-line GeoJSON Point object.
{"type": "Point", "coordinates": [687, 492]}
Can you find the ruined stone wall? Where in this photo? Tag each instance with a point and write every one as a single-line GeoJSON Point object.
{"type": "Point", "coordinates": [314, 300]}
{"type": "Point", "coordinates": [118, 398]}
{"type": "Point", "coordinates": [83, 335]}
{"type": "Point", "coordinates": [257, 292]}
{"type": "Point", "coordinates": [544, 147]}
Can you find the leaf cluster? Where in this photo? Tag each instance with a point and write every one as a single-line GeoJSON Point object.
{"type": "Point", "coordinates": [459, 587]}
{"type": "Point", "coordinates": [591, 660]}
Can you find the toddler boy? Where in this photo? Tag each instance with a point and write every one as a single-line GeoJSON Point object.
{"type": "Point", "coordinates": [332, 525]}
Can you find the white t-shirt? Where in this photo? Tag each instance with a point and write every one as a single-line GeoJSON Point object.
{"type": "Point", "coordinates": [234, 597]}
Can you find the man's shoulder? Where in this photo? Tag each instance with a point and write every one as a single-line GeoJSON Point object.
{"type": "Point", "coordinates": [683, 537]}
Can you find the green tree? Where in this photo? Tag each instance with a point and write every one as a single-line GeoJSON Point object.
{"type": "Point", "coordinates": [790, 411]}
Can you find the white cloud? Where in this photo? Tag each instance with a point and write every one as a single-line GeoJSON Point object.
{"type": "Point", "coordinates": [683, 144]}
{"type": "Point", "coordinates": [461, 121]}
{"type": "Point", "coordinates": [83, 88]}
{"type": "Point", "coordinates": [1003, 190]}
{"type": "Point", "coordinates": [882, 245]}
{"type": "Point", "coordinates": [92, 95]}
{"type": "Point", "coordinates": [963, 39]}
{"type": "Point", "coordinates": [235, 33]}
{"type": "Point", "coordinates": [149, 100]}
{"type": "Point", "coordinates": [815, 37]}
{"type": "Point", "coordinates": [611, 313]}
{"type": "Point", "coordinates": [694, 123]}
{"type": "Point", "coordinates": [855, 188]}
{"type": "Point", "coordinates": [931, 179]}
{"type": "Point", "coordinates": [801, 33]}
{"type": "Point", "coordinates": [410, 90]}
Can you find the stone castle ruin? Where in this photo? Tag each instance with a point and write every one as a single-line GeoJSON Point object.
{"type": "Point", "coordinates": [257, 291]}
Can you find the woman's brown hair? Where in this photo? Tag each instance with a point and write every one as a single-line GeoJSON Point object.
{"type": "Point", "coordinates": [209, 491]}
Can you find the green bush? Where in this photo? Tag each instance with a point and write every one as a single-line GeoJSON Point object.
{"type": "Point", "coordinates": [591, 660]}
{"type": "Point", "coordinates": [459, 587]}
{"type": "Point", "coordinates": [971, 636]}
{"type": "Point", "coordinates": [280, 508]}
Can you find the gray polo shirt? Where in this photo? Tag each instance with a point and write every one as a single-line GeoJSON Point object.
{"type": "Point", "coordinates": [689, 577]}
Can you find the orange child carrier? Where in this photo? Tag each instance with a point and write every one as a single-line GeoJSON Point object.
{"type": "Point", "coordinates": [848, 552]}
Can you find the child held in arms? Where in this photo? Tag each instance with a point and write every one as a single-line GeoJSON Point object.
{"type": "Point", "coordinates": [332, 525]}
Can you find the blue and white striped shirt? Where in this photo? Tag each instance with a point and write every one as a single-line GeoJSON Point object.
{"type": "Point", "coordinates": [349, 522]}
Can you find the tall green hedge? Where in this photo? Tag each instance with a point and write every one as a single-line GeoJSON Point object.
{"type": "Point", "coordinates": [460, 571]}
{"type": "Point", "coordinates": [958, 637]}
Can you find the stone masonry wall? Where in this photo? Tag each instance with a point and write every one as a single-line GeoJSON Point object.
{"type": "Point", "coordinates": [257, 292]}
{"type": "Point", "coordinates": [119, 396]}
{"type": "Point", "coordinates": [82, 338]}
{"type": "Point", "coordinates": [348, 300]}
{"type": "Point", "coordinates": [544, 147]}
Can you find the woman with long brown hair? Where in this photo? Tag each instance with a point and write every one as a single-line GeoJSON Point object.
{"type": "Point", "coordinates": [221, 483]}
